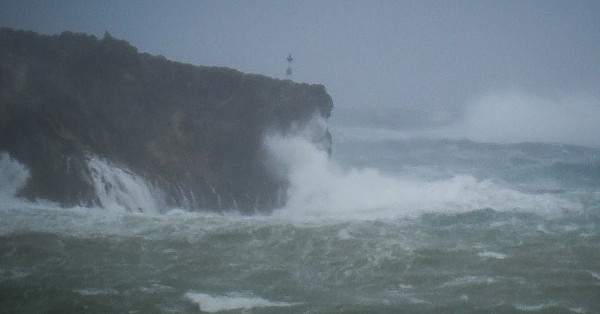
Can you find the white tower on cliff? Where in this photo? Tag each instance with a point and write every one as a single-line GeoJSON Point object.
{"type": "Point", "coordinates": [288, 72]}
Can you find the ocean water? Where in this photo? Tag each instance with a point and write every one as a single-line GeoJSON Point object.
{"type": "Point", "coordinates": [398, 226]}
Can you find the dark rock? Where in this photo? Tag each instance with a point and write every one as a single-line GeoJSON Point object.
{"type": "Point", "coordinates": [193, 131]}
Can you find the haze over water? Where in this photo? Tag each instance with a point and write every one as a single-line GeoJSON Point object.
{"type": "Point", "coordinates": [464, 176]}
{"type": "Point", "coordinates": [489, 70]}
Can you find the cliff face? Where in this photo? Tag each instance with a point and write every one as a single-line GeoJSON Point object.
{"type": "Point", "coordinates": [194, 132]}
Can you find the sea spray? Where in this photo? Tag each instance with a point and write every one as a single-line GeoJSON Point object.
{"type": "Point", "coordinates": [515, 116]}
{"type": "Point", "coordinates": [121, 190]}
{"type": "Point", "coordinates": [13, 176]}
{"type": "Point", "coordinates": [319, 187]}
{"type": "Point", "coordinates": [117, 189]}
{"type": "Point", "coordinates": [232, 301]}
{"type": "Point", "coordinates": [503, 117]}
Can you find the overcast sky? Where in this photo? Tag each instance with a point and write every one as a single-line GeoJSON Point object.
{"type": "Point", "coordinates": [391, 64]}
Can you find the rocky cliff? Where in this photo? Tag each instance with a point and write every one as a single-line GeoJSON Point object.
{"type": "Point", "coordinates": [194, 133]}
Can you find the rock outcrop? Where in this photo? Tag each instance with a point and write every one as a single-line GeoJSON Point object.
{"type": "Point", "coordinates": [193, 132]}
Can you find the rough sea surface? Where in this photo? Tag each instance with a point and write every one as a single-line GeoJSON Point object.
{"type": "Point", "coordinates": [411, 226]}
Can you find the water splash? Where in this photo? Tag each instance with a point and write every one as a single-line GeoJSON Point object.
{"type": "Point", "coordinates": [121, 190]}
{"type": "Point", "coordinates": [320, 188]}
{"type": "Point", "coordinates": [13, 176]}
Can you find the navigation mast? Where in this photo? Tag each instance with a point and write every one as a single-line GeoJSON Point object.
{"type": "Point", "coordinates": [288, 72]}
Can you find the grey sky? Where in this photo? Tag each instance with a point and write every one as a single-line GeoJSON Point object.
{"type": "Point", "coordinates": [382, 61]}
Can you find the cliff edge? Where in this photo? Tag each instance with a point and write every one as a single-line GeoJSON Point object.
{"type": "Point", "coordinates": [72, 102]}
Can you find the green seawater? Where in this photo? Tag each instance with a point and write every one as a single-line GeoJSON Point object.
{"type": "Point", "coordinates": [480, 261]}
{"type": "Point", "coordinates": [492, 229]}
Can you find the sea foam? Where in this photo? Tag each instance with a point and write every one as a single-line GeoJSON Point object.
{"type": "Point", "coordinates": [13, 176]}
{"type": "Point", "coordinates": [120, 189]}
{"type": "Point", "coordinates": [208, 303]}
{"type": "Point", "coordinates": [488, 254]}
{"type": "Point", "coordinates": [320, 188]}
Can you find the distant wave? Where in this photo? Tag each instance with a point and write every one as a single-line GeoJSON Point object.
{"type": "Point", "coordinates": [514, 116]}
{"type": "Point", "coordinates": [506, 117]}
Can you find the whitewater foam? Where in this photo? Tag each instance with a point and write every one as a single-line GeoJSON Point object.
{"type": "Point", "coordinates": [470, 280]}
{"type": "Point", "coordinates": [534, 308]}
{"type": "Point", "coordinates": [95, 291]}
{"type": "Point", "coordinates": [488, 254]}
{"type": "Point", "coordinates": [13, 177]}
{"type": "Point", "coordinates": [233, 301]}
{"type": "Point", "coordinates": [594, 274]}
{"type": "Point", "coordinates": [319, 188]}
{"type": "Point", "coordinates": [120, 189]}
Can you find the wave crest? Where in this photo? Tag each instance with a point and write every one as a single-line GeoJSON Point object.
{"type": "Point", "coordinates": [320, 188]}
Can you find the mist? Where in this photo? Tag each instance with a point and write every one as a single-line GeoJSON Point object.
{"type": "Point", "coordinates": [504, 117]}
{"type": "Point", "coordinates": [513, 117]}
{"type": "Point", "coordinates": [398, 66]}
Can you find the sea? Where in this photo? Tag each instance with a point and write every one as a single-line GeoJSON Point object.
{"type": "Point", "coordinates": [402, 225]}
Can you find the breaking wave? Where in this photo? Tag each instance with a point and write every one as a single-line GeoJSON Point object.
{"type": "Point", "coordinates": [506, 117]}
{"type": "Point", "coordinates": [320, 188]}
{"type": "Point", "coordinates": [14, 175]}
{"type": "Point", "coordinates": [515, 116]}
